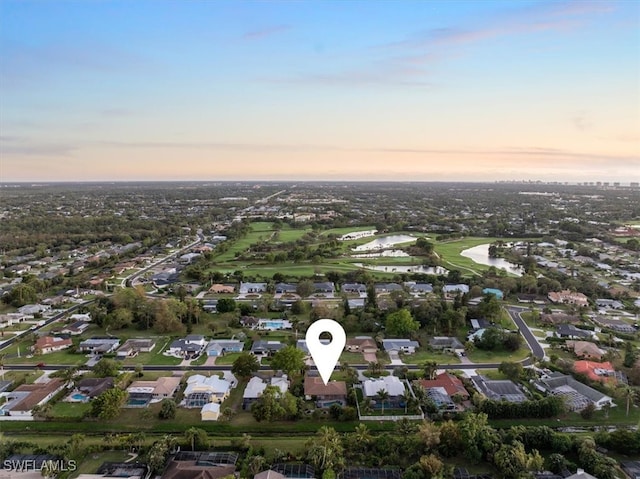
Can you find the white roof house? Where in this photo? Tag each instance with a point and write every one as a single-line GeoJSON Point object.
{"type": "Point", "coordinates": [203, 384]}
{"type": "Point", "coordinates": [256, 386]}
{"type": "Point", "coordinates": [391, 384]}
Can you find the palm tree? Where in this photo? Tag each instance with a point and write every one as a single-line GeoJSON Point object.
{"type": "Point", "coordinates": [190, 435]}
{"type": "Point", "coordinates": [362, 434]}
{"type": "Point", "coordinates": [382, 395]}
{"type": "Point", "coordinates": [406, 398]}
{"type": "Point", "coordinates": [627, 393]}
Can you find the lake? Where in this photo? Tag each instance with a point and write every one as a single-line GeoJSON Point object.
{"type": "Point", "coordinates": [480, 255]}
{"type": "Point", "coordinates": [384, 242]}
{"type": "Point", "coordinates": [405, 269]}
{"type": "Point", "coordinates": [389, 253]}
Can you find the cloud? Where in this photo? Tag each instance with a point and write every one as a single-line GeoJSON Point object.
{"type": "Point", "coordinates": [411, 60]}
{"type": "Point", "coordinates": [265, 32]}
{"type": "Point", "coordinates": [581, 121]}
{"type": "Point", "coordinates": [24, 65]}
{"type": "Point", "coordinates": [21, 146]}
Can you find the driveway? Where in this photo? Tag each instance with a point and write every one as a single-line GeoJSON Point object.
{"type": "Point", "coordinates": [370, 357]}
{"type": "Point", "coordinates": [211, 361]}
{"type": "Point", "coordinates": [395, 359]}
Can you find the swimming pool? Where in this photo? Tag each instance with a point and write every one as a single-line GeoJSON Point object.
{"type": "Point", "coordinates": [80, 397]}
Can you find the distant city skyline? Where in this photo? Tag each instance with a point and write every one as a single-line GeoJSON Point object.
{"type": "Point", "coordinates": [329, 91]}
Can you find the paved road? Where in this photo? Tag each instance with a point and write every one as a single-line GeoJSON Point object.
{"type": "Point", "coordinates": [530, 338]}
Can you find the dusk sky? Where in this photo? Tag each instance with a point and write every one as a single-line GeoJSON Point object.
{"type": "Point", "coordinates": [319, 90]}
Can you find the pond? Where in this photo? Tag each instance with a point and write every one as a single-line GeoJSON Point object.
{"type": "Point", "coordinates": [389, 253]}
{"type": "Point", "coordinates": [417, 268]}
{"type": "Point", "coordinates": [480, 255]}
{"type": "Point", "coordinates": [384, 242]}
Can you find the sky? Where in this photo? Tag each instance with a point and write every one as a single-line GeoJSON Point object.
{"type": "Point", "coordinates": [319, 90]}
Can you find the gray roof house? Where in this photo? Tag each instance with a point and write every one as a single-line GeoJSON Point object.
{"type": "Point", "coordinates": [266, 347]}
{"type": "Point", "coordinates": [499, 390]}
{"type": "Point", "coordinates": [577, 394]}
{"type": "Point", "coordinates": [401, 345]}
{"type": "Point", "coordinates": [571, 332]}
{"type": "Point", "coordinates": [99, 345]}
{"type": "Point", "coordinates": [446, 343]}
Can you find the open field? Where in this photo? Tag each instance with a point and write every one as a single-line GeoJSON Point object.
{"type": "Point", "coordinates": [92, 462]}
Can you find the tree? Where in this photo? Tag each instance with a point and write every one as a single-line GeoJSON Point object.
{"type": "Point", "coordinates": [274, 405]}
{"type": "Point", "coordinates": [305, 288]}
{"type": "Point", "coordinates": [245, 365]}
{"type": "Point", "coordinates": [226, 305]}
{"type": "Point", "coordinates": [107, 405]}
{"type": "Point", "coordinates": [196, 437]}
{"type": "Point", "coordinates": [106, 368]}
{"type": "Point", "coordinates": [429, 368]}
{"type": "Point", "coordinates": [325, 450]}
{"type": "Point", "coordinates": [431, 465]}
{"type": "Point", "coordinates": [168, 409]}
{"type": "Point", "coordinates": [289, 359]}
{"type": "Point", "coordinates": [429, 435]}
{"type": "Point", "coordinates": [401, 324]}
{"type": "Point", "coordinates": [382, 395]}
{"type": "Point", "coordinates": [513, 371]}
{"type": "Point", "coordinates": [21, 294]}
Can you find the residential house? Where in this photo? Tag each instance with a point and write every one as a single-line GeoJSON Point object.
{"type": "Point", "coordinates": [387, 287]}
{"type": "Point", "coordinates": [201, 390]}
{"type": "Point", "coordinates": [577, 395]}
{"type": "Point", "coordinates": [75, 329]}
{"type": "Point", "coordinates": [269, 474]}
{"type": "Point", "coordinates": [210, 412]}
{"type": "Point", "coordinates": [358, 472]}
{"type": "Point", "coordinates": [571, 332]}
{"type": "Point", "coordinates": [249, 321]}
{"type": "Point", "coordinates": [559, 318]}
{"type": "Point", "coordinates": [133, 346]}
{"type": "Point", "coordinates": [451, 384]}
{"type": "Point", "coordinates": [219, 347]}
{"type": "Point", "coordinates": [222, 288]}
{"type": "Point", "coordinates": [50, 344]}
{"type": "Point", "coordinates": [499, 390]}
{"type": "Point", "coordinates": [10, 319]}
{"type": "Point", "coordinates": [252, 288]}
{"type": "Point", "coordinates": [325, 395]}
{"type": "Point", "coordinates": [581, 474]}
{"type": "Point", "coordinates": [361, 344]}
{"type": "Point", "coordinates": [405, 346]}
{"type": "Point", "coordinates": [322, 288]}
{"type": "Point", "coordinates": [418, 288]}
{"type": "Point", "coordinates": [480, 323]}
{"type": "Point", "coordinates": [294, 471]}
{"type": "Point", "coordinates": [531, 298]}
{"type": "Point", "coordinates": [585, 349]}
{"type": "Point", "coordinates": [25, 397]}
{"type": "Point", "coordinates": [98, 345]}
{"type": "Point", "coordinates": [302, 344]}
{"type": "Point", "coordinates": [266, 348]}
{"type": "Point", "coordinates": [162, 388]}
{"type": "Point", "coordinates": [285, 288]}
{"type": "Point", "coordinates": [615, 324]}
{"type": "Point", "coordinates": [568, 297]}
{"type": "Point", "coordinates": [120, 470]}
{"type": "Point", "coordinates": [609, 304]}
{"type": "Point", "coordinates": [446, 344]}
{"type": "Point", "coordinates": [80, 317]}
{"type": "Point", "coordinates": [452, 290]}
{"type": "Point", "coordinates": [93, 387]}
{"type": "Point", "coordinates": [189, 347]}
{"type": "Point", "coordinates": [391, 384]}
{"type": "Point", "coordinates": [603, 372]}
{"type": "Point", "coordinates": [201, 465]}
{"type": "Point", "coordinates": [31, 309]}
{"type": "Point", "coordinates": [354, 288]}
{"type": "Point", "coordinates": [256, 386]}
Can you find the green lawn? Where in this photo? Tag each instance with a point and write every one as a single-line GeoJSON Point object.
{"type": "Point", "coordinates": [63, 409]}
{"type": "Point", "coordinates": [288, 234]}
{"type": "Point", "coordinates": [420, 357]}
{"type": "Point", "coordinates": [227, 359]}
{"type": "Point", "coordinates": [260, 231]}
{"type": "Point", "coordinates": [480, 356]}
{"type": "Point", "coordinates": [92, 462]}
{"type": "Point", "coordinates": [351, 358]}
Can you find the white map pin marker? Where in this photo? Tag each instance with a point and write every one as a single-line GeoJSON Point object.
{"type": "Point", "coordinates": [325, 356]}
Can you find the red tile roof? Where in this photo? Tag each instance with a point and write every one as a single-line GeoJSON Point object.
{"type": "Point", "coordinates": [449, 382]}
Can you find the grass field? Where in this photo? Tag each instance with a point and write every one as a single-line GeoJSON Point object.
{"type": "Point", "coordinates": [480, 356]}
{"type": "Point", "coordinates": [92, 462]}
{"type": "Point", "coordinates": [260, 231]}
{"type": "Point", "coordinates": [64, 409]}
{"type": "Point", "coordinates": [420, 357]}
